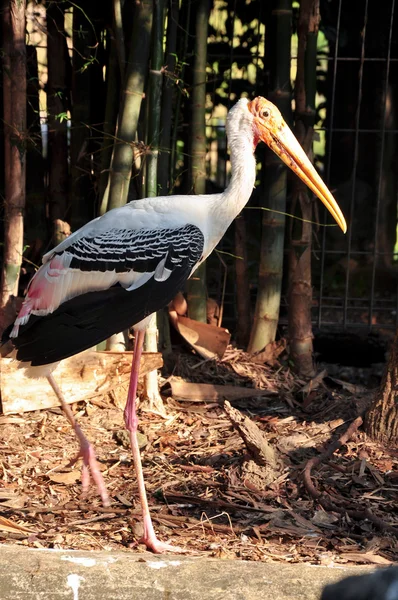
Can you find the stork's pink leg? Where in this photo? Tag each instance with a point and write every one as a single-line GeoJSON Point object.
{"type": "Point", "coordinates": [86, 451]}
{"type": "Point", "coordinates": [130, 418]}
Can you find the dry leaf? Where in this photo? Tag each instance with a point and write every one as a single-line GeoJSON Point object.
{"type": "Point", "coordinates": [314, 383]}
{"type": "Point", "coordinates": [324, 519]}
{"type": "Point", "coordinates": [65, 478]}
{"type": "Point", "coordinates": [12, 500]}
{"type": "Point", "coordinates": [271, 353]}
{"type": "Point", "coordinates": [7, 525]}
{"type": "Point", "coordinates": [366, 557]}
{"type": "Point", "coordinates": [350, 387]}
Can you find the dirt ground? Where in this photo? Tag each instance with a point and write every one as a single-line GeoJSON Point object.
{"type": "Point", "coordinates": [343, 511]}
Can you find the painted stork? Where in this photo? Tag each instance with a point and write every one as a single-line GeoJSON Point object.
{"type": "Point", "coordinates": [120, 268]}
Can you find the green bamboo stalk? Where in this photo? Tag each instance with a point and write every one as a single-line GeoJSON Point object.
{"type": "Point", "coordinates": [133, 90]}
{"type": "Point", "coordinates": [185, 16]}
{"type": "Point", "coordinates": [266, 314]}
{"type": "Point", "coordinates": [117, 190]}
{"type": "Point", "coordinates": [111, 110]}
{"type": "Point", "coordinates": [119, 35]}
{"type": "Point", "coordinates": [160, 107]}
{"type": "Point", "coordinates": [153, 137]}
{"type": "Point", "coordinates": [168, 95]}
{"type": "Point", "coordinates": [155, 98]}
{"type": "Point", "coordinates": [300, 288]}
{"type": "Point", "coordinates": [58, 94]}
{"type": "Point", "coordinates": [109, 131]}
{"type": "Point", "coordinates": [196, 286]}
{"type": "Point", "coordinates": [84, 40]}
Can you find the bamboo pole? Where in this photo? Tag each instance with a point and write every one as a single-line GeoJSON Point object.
{"type": "Point", "coordinates": [14, 94]}
{"type": "Point", "coordinates": [109, 130]}
{"type": "Point", "coordinates": [132, 93]}
{"type": "Point", "coordinates": [84, 40]}
{"type": "Point", "coordinates": [300, 288]}
{"type": "Point", "coordinates": [169, 115]}
{"type": "Point", "coordinates": [196, 286]}
{"type": "Point", "coordinates": [155, 99]}
{"type": "Point", "coordinates": [153, 136]}
{"type": "Point", "coordinates": [117, 191]}
{"type": "Point", "coordinates": [58, 95]}
{"type": "Point", "coordinates": [182, 50]}
{"type": "Point", "coordinates": [243, 307]}
{"type": "Point", "coordinates": [268, 301]}
{"type": "Point", "coordinates": [119, 34]}
{"type": "Point", "coordinates": [168, 96]}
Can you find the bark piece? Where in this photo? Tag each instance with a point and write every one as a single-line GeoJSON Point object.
{"type": "Point", "coordinates": [208, 341]}
{"type": "Point", "coordinates": [80, 377]}
{"type": "Point", "coordinates": [264, 466]}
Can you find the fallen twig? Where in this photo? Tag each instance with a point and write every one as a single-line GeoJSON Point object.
{"type": "Point", "coordinates": [325, 502]}
{"type": "Point", "coordinates": [317, 460]}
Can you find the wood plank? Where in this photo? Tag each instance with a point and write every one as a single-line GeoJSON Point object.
{"type": "Point", "coordinates": [80, 377]}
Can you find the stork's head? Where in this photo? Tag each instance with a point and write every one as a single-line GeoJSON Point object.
{"type": "Point", "coordinates": [268, 125]}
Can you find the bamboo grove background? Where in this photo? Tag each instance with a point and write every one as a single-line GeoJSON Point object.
{"type": "Point", "coordinates": [104, 103]}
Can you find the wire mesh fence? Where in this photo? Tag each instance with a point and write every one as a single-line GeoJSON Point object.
{"type": "Point", "coordinates": [355, 148]}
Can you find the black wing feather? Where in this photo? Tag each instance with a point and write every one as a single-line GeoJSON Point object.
{"type": "Point", "coordinates": [124, 250]}
{"type": "Point", "coordinates": [87, 320]}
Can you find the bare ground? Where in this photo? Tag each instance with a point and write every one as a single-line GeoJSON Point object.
{"type": "Point", "coordinates": [200, 499]}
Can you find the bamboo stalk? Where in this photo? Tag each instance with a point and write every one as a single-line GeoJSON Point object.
{"type": "Point", "coordinates": [151, 385]}
{"type": "Point", "coordinates": [119, 35]}
{"type": "Point", "coordinates": [185, 19]}
{"type": "Point", "coordinates": [242, 283]}
{"type": "Point", "coordinates": [117, 191]}
{"type": "Point", "coordinates": [155, 99]}
{"type": "Point", "coordinates": [168, 95]}
{"type": "Point", "coordinates": [84, 40]}
{"type": "Point", "coordinates": [133, 90]}
{"type": "Point", "coordinates": [111, 110]}
{"type": "Point", "coordinates": [268, 301]}
{"type": "Point", "coordinates": [14, 90]}
{"type": "Point", "coordinates": [164, 163]}
{"type": "Point", "coordinates": [35, 220]}
{"type": "Point", "coordinates": [196, 286]}
{"type": "Point", "coordinates": [58, 94]}
{"type": "Point", "coordinates": [300, 288]}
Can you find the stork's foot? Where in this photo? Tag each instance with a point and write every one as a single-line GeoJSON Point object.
{"type": "Point", "coordinates": [152, 543]}
{"type": "Point", "coordinates": [90, 467]}
{"type": "Point", "coordinates": [159, 547]}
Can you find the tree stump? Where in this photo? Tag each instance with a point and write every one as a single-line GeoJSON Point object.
{"type": "Point", "coordinates": [381, 421]}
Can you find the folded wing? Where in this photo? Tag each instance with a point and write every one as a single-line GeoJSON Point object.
{"type": "Point", "coordinates": [101, 285]}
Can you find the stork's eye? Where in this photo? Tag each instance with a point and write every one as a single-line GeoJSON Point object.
{"type": "Point", "coordinates": [265, 113]}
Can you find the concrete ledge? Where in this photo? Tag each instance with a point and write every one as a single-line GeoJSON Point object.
{"type": "Point", "coordinates": [54, 574]}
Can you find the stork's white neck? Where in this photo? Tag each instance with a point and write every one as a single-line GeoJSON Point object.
{"type": "Point", "coordinates": [225, 207]}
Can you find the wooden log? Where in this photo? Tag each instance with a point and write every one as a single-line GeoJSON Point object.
{"type": "Point", "coordinates": [80, 377]}
{"type": "Point", "coordinates": [207, 392]}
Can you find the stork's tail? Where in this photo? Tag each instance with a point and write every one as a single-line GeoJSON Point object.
{"type": "Point", "coordinates": [6, 345]}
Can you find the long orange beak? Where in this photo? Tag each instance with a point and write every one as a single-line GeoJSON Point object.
{"type": "Point", "coordinates": [273, 130]}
